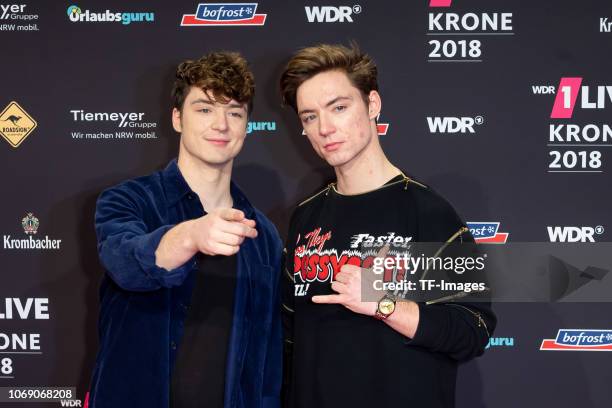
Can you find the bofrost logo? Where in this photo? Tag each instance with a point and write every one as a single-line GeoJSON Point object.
{"type": "Point", "coordinates": [451, 124]}
{"type": "Point", "coordinates": [331, 14]}
{"type": "Point", "coordinates": [574, 234]}
{"type": "Point", "coordinates": [579, 340]}
{"type": "Point", "coordinates": [487, 232]}
{"type": "Point", "coordinates": [381, 128]}
{"type": "Point", "coordinates": [225, 14]}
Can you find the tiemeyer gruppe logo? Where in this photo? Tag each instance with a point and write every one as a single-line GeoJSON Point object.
{"type": "Point", "coordinates": [30, 225]}
{"type": "Point", "coordinates": [452, 124]}
{"type": "Point", "coordinates": [575, 147]}
{"type": "Point", "coordinates": [442, 23]}
{"type": "Point", "coordinates": [487, 232]}
{"type": "Point", "coordinates": [112, 126]}
{"type": "Point", "coordinates": [225, 14]}
{"type": "Point", "coordinates": [579, 340]}
{"type": "Point", "coordinates": [14, 17]}
{"type": "Point", "coordinates": [332, 14]}
{"type": "Point", "coordinates": [76, 15]}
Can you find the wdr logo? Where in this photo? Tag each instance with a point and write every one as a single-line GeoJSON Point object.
{"type": "Point", "coordinates": [449, 124]}
{"type": "Point", "coordinates": [224, 14]}
{"type": "Point", "coordinates": [331, 14]}
{"type": "Point", "coordinates": [70, 403]}
{"type": "Point", "coordinates": [579, 340]}
{"type": "Point", "coordinates": [574, 234]}
{"type": "Point", "coordinates": [487, 233]}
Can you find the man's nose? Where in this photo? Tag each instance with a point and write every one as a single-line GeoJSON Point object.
{"type": "Point", "coordinates": [220, 120]}
{"type": "Point", "coordinates": [326, 125]}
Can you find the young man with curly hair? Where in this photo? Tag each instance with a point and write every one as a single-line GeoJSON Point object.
{"type": "Point", "coordinates": [189, 304]}
{"type": "Point", "coordinates": [345, 351]}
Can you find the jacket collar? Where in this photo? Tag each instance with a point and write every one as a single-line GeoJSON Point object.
{"type": "Point", "coordinates": [176, 188]}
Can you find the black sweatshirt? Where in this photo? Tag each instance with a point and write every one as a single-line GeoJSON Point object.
{"type": "Point", "coordinates": [337, 358]}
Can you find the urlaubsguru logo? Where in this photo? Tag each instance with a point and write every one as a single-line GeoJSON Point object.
{"type": "Point", "coordinates": [77, 15]}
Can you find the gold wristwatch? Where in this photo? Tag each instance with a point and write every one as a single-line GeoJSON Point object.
{"type": "Point", "coordinates": [386, 307]}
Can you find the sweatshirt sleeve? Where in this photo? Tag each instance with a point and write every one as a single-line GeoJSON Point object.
{"type": "Point", "coordinates": [458, 329]}
{"type": "Point", "coordinates": [127, 243]}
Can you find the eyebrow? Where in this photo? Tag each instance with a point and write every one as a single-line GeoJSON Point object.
{"type": "Point", "coordinates": [333, 101]}
{"type": "Point", "coordinates": [209, 102]}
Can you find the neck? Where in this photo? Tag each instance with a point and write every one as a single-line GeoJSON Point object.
{"type": "Point", "coordinates": [210, 183]}
{"type": "Point", "coordinates": [367, 171]}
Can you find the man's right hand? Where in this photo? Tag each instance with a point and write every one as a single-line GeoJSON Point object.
{"type": "Point", "coordinates": [219, 232]}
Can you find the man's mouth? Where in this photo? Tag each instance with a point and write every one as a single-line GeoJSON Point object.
{"type": "Point", "coordinates": [218, 141]}
{"type": "Point", "coordinates": [330, 147]}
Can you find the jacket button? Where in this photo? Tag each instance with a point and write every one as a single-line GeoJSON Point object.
{"type": "Point", "coordinates": [190, 196]}
{"type": "Point", "coordinates": [173, 345]}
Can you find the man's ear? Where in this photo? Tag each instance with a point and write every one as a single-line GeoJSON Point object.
{"type": "Point", "coordinates": [176, 120]}
{"type": "Point", "coordinates": [374, 105]}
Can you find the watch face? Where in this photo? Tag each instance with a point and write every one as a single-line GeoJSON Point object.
{"type": "Point", "coordinates": [386, 306]}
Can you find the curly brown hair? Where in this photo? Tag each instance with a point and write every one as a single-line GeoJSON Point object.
{"type": "Point", "coordinates": [308, 62]}
{"type": "Point", "coordinates": [225, 74]}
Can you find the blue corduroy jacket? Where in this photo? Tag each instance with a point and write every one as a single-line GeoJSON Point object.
{"type": "Point", "coordinates": [143, 307]}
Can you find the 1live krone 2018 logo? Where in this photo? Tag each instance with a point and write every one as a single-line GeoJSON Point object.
{"type": "Point", "coordinates": [465, 32]}
{"type": "Point", "coordinates": [576, 145]}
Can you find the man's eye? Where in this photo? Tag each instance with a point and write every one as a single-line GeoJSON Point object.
{"type": "Point", "coordinates": [308, 118]}
{"type": "Point", "coordinates": [236, 114]}
{"type": "Point", "coordinates": [340, 108]}
{"type": "Point", "coordinates": [204, 110]}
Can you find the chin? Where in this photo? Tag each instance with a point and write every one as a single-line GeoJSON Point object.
{"type": "Point", "coordinates": [336, 161]}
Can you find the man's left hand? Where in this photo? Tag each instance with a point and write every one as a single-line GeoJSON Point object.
{"type": "Point", "coordinates": [348, 286]}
